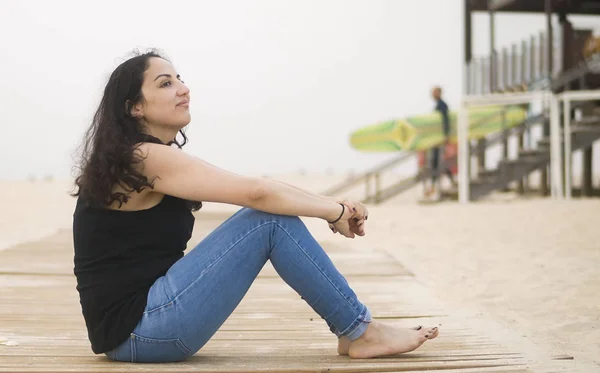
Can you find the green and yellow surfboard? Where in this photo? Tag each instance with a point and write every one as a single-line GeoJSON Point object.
{"type": "Point", "coordinates": [425, 131]}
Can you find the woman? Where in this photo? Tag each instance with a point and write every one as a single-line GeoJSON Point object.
{"type": "Point", "coordinates": [141, 298]}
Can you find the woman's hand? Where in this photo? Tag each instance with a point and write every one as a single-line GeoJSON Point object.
{"type": "Point", "coordinates": [352, 222]}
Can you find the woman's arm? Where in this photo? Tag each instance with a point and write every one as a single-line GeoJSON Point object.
{"type": "Point", "coordinates": [185, 176]}
{"type": "Point", "coordinates": [325, 198]}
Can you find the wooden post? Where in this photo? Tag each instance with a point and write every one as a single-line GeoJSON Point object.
{"type": "Point", "coordinates": [523, 68]}
{"type": "Point", "coordinates": [481, 154]}
{"type": "Point", "coordinates": [549, 40]}
{"type": "Point", "coordinates": [504, 136]}
{"type": "Point", "coordinates": [521, 185]}
{"type": "Point", "coordinates": [377, 187]}
{"type": "Point", "coordinates": [587, 187]}
{"type": "Point", "coordinates": [491, 86]}
{"type": "Point", "coordinates": [505, 70]}
{"type": "Point", "coordinates": [504, 141]}
{"type": "Point", "coordinates": [467, 78]}
{"type": "Point", "coordinates": [473, 78]}
{"type": "Point", "coordinates": [549, 55]}
{"type": "Point", "coordinates": [542, 56]}
{"type": "Point", "coordinates": [493, 65]}
{"type": "Point", "coordinates": [485, 76]}
{"type": "Point", "coordinates": [468, 28]}
{"type": "Point", "coordinates": [368, 187]}
{"type": "Point", "coordinates": [532, 73]}
{"type": "Point", "coordinates": [514, 68]}
{"type": "Point", "coordinates": [481, 85]}
{"type": "Point", "coordinates": [544, 189]}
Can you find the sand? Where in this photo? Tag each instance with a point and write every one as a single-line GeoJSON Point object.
{"type": "Point", "coordinates": [32, 210]}
{"type": "Point", "coordinates": [532, 264]}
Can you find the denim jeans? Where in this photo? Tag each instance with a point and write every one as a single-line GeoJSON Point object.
{"type": "Point", "coordinates": [199, 292]}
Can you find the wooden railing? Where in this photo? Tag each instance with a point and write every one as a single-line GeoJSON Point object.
{"type": "Point", "coordinates": [519, 67]}
{"type": "Point", "coordinates": [369, 177]}
{"type": "Point", "coordinates": [374, 191]}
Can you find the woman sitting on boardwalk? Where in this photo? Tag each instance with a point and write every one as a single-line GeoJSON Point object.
{"type": "Point", "coordinates": [141, 298]}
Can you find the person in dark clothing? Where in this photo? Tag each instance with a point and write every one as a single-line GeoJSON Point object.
{"type": "Point", "coordinates": [437, 163]}
{"type": "Point", "coordinates": [142, 299]}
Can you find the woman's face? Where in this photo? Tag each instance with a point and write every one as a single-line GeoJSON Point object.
{"type": "Point", "coordinates": [166, 100]}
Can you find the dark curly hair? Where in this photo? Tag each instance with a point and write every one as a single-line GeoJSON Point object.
{"type": "Point", "coordinates": [108, 150]}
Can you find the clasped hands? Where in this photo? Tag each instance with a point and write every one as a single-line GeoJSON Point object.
{"type": "Point", "coordinates": [353, 219]}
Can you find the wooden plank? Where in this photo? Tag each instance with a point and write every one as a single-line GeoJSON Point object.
{"type": "Point", "coordinates": [40, 310]}
{"type": "Point", "coordinates": [55, 257]}
{"type": "Point", "coordinates": [251, 363]}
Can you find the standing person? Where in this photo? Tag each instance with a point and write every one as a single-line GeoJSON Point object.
{"type": "Point", "coordinates": [141, 298]}
{"type": "Point", "coordinates": [438, 165]}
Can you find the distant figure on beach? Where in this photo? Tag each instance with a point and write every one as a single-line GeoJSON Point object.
{"type": "Point", "coordinates": [141, 298]}
{"type": "Point", "coordinates": [438, 165]}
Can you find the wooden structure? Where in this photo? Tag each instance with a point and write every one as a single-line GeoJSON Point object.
{"type": "Point", "coordinates": [273, 329]}
{"type": "Point", "coordinates": [556, 60]}
{"type": "Point", "coordinates": [552, 60]}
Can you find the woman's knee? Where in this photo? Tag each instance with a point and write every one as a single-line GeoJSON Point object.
{"type": "Point", "coordinates": [266, 217]}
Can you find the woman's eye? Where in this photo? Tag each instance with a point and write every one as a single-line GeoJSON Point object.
{"type": "Point", "coordinates": [165, 84]}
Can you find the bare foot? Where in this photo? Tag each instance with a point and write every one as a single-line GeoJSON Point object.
{"type": "Point", "coordinates": [384, 340]}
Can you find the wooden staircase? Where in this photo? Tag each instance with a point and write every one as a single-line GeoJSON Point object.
{"type": "Point", "coordinates": [583, 134]}
{"type": "Point", "coordinates": [376, 193]}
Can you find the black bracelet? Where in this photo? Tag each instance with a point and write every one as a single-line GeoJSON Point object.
{"type": "Point", "coordinates": [336, 220]}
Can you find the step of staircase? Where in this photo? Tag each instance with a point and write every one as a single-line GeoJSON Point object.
{"type": "Point", "coordinates": [588, 121]}
{"type": "Point", "coordinates": [489, 176]}
{"type": "Point", "coordinates": [529, 153]}
{"type": "Point", "coordinates": [585, 128]}
{"type": "Point", "coordinates": [488, 173]}
{"type": "Point", "coordinates": [544, 143]}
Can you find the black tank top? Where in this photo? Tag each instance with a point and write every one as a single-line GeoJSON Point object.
{"type": "Point", "coordinates": [118, 256]}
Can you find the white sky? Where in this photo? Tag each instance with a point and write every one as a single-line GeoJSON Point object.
{"type": "Point", "coordinates": [276, 86]}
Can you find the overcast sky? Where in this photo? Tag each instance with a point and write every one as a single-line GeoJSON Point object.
{"type": "Point", "coordinates": [276, 85]}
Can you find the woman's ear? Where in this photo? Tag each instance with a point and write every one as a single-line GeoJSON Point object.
{"type": "Point", "coordinates": [135, 110]}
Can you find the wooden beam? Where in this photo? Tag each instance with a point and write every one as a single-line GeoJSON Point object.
{"type": "Point", "coordinates": [493, 57]}
{"type": "Point", "coordinates": [468, 32]}
{"type": "Point", "coordinates": [499, 4]}
{"type": "Point", "coordinates": [587, 186]}
{"type": "Point", "coordinates": [591, 7]}
{"type": "Point", "coordinates": [549, 40]}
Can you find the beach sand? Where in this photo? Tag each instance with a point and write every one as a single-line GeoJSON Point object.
{"type": "Point", "coordinates": [532, 264]}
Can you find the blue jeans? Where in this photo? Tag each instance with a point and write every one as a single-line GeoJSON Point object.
{"type": "Point", "coordinates": [199, 292]}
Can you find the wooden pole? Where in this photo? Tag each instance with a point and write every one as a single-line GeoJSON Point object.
{"type": "Point", "coordinates": [544, 190]}
{"type": "Point", "coordinates": [505, 70]}
{"type": "Point", "coordinates": [549, 40]}
{"type": "Point", "coordinates": [587, 187]}
{"type": "Point", "coordinates": [468, 31]}
{"type": "Point", "coordinates": [532, 72]}
{"type": "Point", "coordinates": [514, 67]}
{"type": "Point", "coordinates": [493, 66]}
{"type": "Point", "coordinates": [549, 55]}
{"type": "Point", "coordinates": [522, 184]}
{"type": "Point", "coordinates": [377, 188]}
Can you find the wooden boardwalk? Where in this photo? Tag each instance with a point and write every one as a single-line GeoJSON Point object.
{"type": "Point", "coordinates": [272, 330]}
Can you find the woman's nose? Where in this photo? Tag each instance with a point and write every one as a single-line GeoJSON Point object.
{"type": "Point", "coordinates": [183, 90]}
